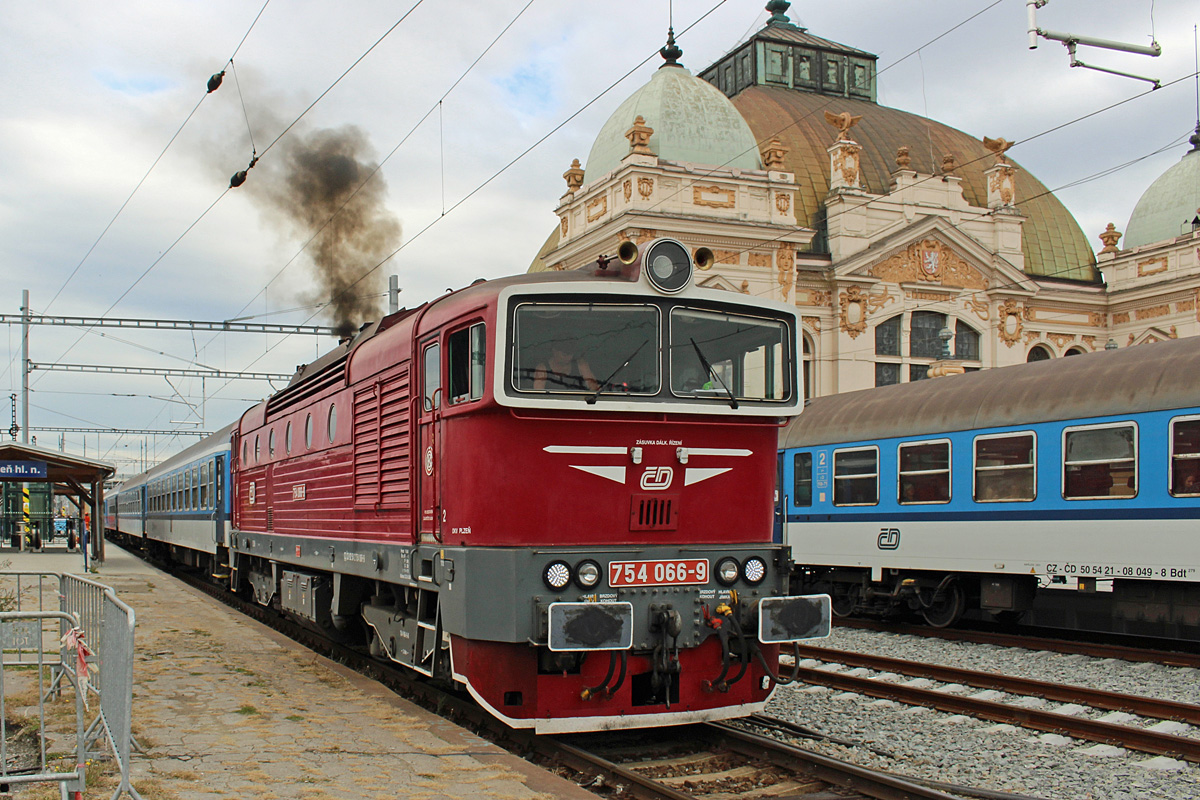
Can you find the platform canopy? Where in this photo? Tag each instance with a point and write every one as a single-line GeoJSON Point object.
{"type": "Point", "coordinates": [32, 464]}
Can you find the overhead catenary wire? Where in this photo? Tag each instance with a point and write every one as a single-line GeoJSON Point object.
{"type": "Point", "coordinates": [154, 164]}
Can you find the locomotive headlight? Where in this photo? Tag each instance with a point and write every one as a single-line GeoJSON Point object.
{"type": "Point", "coordinates": [668, 266]}
{"type": "Point", "coordinates": [754, 569]}
{"type": "Point", "coordinates": [587, 574]}
{"type": "Point", "coordinates": [557, 575]}
{"type": "Point", "coordinates": [727, 571]}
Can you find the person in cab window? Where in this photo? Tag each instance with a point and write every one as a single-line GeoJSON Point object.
{"type": "Point", "coordinates": [563, 371]}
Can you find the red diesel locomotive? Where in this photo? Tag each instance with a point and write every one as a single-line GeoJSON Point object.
{"type": "Point", "coordinates": [554, 490]}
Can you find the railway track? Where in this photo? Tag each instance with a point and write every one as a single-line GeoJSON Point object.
{"type": "Point", "coordinates": [715, 761]}
{"type": "Point", "coordinates": [885, 685]}
{"type": "Point", "coordinates": [1170, 658]}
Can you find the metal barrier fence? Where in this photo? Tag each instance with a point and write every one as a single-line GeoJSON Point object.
{"type": "Point", "coordinates": [95, 636]}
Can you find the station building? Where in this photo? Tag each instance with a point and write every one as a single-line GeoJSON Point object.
{"type": "Point", "coordinates": [883, 227]}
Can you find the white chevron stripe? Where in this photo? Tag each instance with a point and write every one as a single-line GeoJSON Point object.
{"type": "Point", "coordinates": [695, 475]}
{"type": "Point", "coordinates": [586, 450]}
{"type": "Point", "coordinates": [616, 474]}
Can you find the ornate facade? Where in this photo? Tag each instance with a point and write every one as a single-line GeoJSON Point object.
{"type": "Point", "coordinates": [883, 266]}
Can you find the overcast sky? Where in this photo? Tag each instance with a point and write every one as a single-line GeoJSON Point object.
{"type": "Point", "coordinates": [94, 92]}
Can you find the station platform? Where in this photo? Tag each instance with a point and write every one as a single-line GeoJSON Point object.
{"type": "Point", "coordinates": [225, 707]}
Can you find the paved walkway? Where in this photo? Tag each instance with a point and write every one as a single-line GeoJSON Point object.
{"type": "Point", "coordinates": [227, 708]}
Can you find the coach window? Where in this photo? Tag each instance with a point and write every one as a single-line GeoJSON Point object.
{"type": "Point", "coordinates": [467, 359]}
{"type": "Point", "coordinates": [433, 376]}
{"type": "Point", "coordinates": [1005, 469]}
{"type": "Point", "coordinates": [1185, 457]}
{"type": "Point", "coordinates": [287, 438]}
{"type": "Point", "coordinates": [245, 450]}
{"type": "Point", "coordinates": [802, 479]}
{"type": "Point", "coordinates": [271, 444]}
{"type": "Point", "coordinates": [257, 450]}
{"type": "Point", "coordinates": [332, 422]}
{"type": "Point", "coordinates": [204, 485]}
{"type": "Point", "coordinates": [1100, 461]}
{"type": "Point", "coordinates": [856, 477]}
{"type": "Point", "coordinates": [924, 472]}
{"type": "Point", "coordinates": [308, 432]}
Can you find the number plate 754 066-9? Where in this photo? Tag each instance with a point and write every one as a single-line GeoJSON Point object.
{"type": "Point", "coordinates": [679, 572]}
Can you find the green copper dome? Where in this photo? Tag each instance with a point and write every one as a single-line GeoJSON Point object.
{"type": "Point", "coordinates": [1167, 208]}
{"type": "Point", "coordinates": [692, 121]}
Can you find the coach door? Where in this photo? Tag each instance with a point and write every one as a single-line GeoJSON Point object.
{"type": "Point", "coordinates": [429, 456]}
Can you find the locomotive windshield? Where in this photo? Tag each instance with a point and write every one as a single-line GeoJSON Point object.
{"type": "Point", "coordinates": [680, 352]}
{"type": "Point", "coordinates": [582, 349]}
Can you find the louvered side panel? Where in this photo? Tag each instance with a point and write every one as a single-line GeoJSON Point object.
{"type": "Point", "coordinates": [366, 447]}
{"type": "Point", "coordinates": [394, 443]}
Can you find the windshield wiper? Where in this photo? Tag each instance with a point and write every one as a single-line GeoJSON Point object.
{"type": "Point", "coordinates": [733, 403]}
{"type": "Point", "coordinates": [604, 383]}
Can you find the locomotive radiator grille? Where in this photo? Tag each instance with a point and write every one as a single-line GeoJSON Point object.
{"type": "Point", "coordinates": [654, 513]}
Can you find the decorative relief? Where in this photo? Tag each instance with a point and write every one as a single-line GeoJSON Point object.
{"type": "Point", "coordinates": [1011, 323]}
{"type": "Point", "coordinates": [1152, 266]}
{"type": "Point", "coordinates": [627, 188]}
{"type": "Point", "coordinates": [637, 235]}
{"type": "Point", "coordinates": [645, 187]}
{"type": "Point", "coordinates": [745, 287]}
{"type": "Point", "coordinates": [813, 323]}
{"type": "Point", "coordinates": [727, 256]}
{"type": "Point", "coordinates": [563, 224]}
{"type": "Point", "coordinates": [1120, 317]}
{"type": "Point", "coordinates": [843, 165]}
{"type": "Point", "coordinates": [917, 294]}
{"type": "Point", "coordinates": [1185, 305]}
{"type": "Point", "coordinates": [1098, 319]}
{"type": "Point", "coordinates": [1090, 341]}
{"type": "Point", "coordinates": [783, 202]}
{"type": "Point", "coordinates": [1153, 312]}
{"type": "Point", "coordinates": [853, 311]}
{"type": "Point", "coordinates": [903, 159]}
{"type": "Point", "coordinates": [1032, 336]}
{"type": "Point", "coordinates": [759, 259]}
{"type": "Point", "coordinates": [1001, 185]}
{"type": "Point", "coordinates": [1027, 314]}
{"type": "Point", "coordinates": [998, 146]}
{"type": "Point", "coordinates": [876, 302]}
{"type": "Point", "coordinates": [597, 208]}
{"type": "Point", "coordinates": [980, 308]}
{"type": "Point", "coordinates": [1060, 339]}
{"type": "Point", "coordinates": [785, 264]}
{"type": "Point", "coordinates": [930, 260]}
{"type": "Point", "coordinates": [714, 196]}
{"type": "Point", "coordinates": [1174, 334]}
{"type": "Point", "coordinates": [820, 298]}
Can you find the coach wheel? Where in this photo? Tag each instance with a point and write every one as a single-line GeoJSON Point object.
{"type": "Point", "coordinates": [843, 600]}
{"type": "Point", "coordinates": [947, 606]}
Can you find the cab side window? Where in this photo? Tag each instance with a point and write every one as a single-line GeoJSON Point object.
{"type": "Point", "coordinates": [433, 376]}
{"type": "Point", "coordinates": [467, 357]}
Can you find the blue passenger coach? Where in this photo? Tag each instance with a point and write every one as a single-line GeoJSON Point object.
{"type": "Point", "coordinates": [181, 503]}
{"type": "Point", "coordinates": [990, 490]}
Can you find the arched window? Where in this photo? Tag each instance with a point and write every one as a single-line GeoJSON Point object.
{"type": "Point", "coordinates": [924, 341]}
{"type": "Point", "coordinates": [966, 342]}
{"type": "Point", "coordinates": [1039, 353]}
{"type": "Point", "coordinates": [1074, 351]}
{"type": "Point", "coordinates": [922, 328]}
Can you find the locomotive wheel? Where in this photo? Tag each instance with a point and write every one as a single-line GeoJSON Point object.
{"type": "Point", "coordinates": [948, 606]}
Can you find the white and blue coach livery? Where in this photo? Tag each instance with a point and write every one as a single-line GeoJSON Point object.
{"type": "Point", "coordinates": [988, 491]}
{"type": "Point", "coordinates": [181, 504]}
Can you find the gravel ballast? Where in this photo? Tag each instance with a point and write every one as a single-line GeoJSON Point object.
{"type": "Point", "coordinates": [924, 743]}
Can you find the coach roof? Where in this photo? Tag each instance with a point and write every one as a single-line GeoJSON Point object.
{"type": "Point", "coordinates": [1148, 377]}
